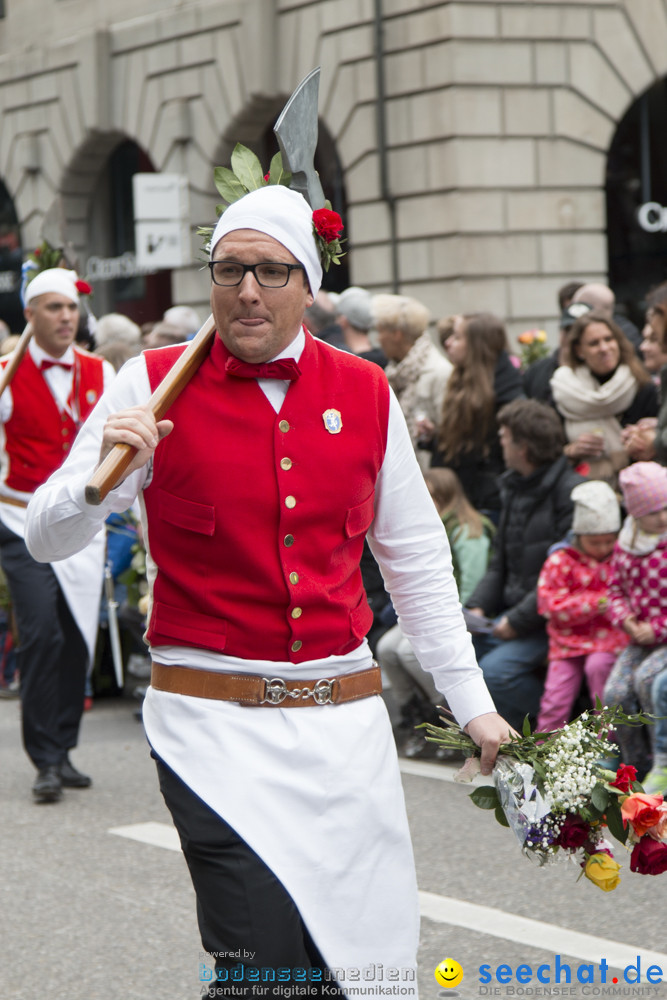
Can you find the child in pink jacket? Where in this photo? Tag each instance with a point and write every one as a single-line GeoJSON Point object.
{"type": "Point", "coordinates": [572, 594]}
{"type": "Point", "coordinates": [638, 603]}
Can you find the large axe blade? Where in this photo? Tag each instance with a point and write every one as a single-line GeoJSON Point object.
{"type": "Point", "coordinates": [296, 131]}
{"type": "Point", "coordinates": [53, 231]}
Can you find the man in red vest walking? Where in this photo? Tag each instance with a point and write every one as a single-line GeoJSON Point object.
{"type": "Point", "coordinates": [53, 390]}
{"type": "Point", "coordinates": [275, 753]}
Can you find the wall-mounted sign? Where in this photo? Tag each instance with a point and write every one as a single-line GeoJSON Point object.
{"type": "Point", "coordinates": [652, 217]}
{"type": "Point", "coordinates": [163, 244]}
{"type": "Point", "coordinates": [161, 214]}
{"type": "Point", "coordinates": [111, 268]}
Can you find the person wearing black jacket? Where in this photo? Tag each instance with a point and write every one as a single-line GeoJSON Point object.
{"type": "Point", "coordinates": [536, 512]}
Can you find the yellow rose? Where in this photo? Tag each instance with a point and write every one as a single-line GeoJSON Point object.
{"type": "Point", "coordinates": [603, 871]}
{"type": "Point", "coordinates": [541, 336]}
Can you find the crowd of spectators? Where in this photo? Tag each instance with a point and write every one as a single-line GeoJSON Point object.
{"type": "Point", "coordinates": [530, 469]}
{"type": "Point", "coordinates": [550, 483]}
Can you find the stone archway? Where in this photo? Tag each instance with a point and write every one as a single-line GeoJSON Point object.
{"type": "Point", "coordinates": [636, 193]}
{"type": "Point", "coordinates": [97, 202]}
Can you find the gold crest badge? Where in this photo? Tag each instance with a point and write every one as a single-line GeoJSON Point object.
{"type": "Point", "coordinates": [333, 421]}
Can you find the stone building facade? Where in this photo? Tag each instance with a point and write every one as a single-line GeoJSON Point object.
{"type": "Point", "coordinates": [477, 182]}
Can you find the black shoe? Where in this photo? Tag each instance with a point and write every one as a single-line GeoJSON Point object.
{"type": "Point", "coordinates": [71, 778]}
{"type": "Point", "coordinates": [48, 786]}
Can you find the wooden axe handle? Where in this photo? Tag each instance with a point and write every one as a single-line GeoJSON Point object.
{"type": "Point", "coordinates": [15, 358]}
{"type": "Point", "coordinates": [109, 472]}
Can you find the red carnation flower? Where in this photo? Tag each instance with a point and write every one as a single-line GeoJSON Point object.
{"type": "Point", "coordinates": [266, 177]}
{"type": "Point", "coordinates": [649, 857]}
{"type": "Point", "coordinates": [328, 224]}
{"type": "Point", "coordinates": [625, 776]}
{"type": "Point", "coordinates": [83, 287]}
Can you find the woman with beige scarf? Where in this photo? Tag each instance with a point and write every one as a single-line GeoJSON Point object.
{"type": "Point", "coordinates": [601, 388]}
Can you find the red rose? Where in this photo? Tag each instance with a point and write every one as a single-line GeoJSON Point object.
{"type": "Point", "coordinates": [83, 287]}
{"type": "Point", "coordinates": [625, 776]}
{"type": "Point", "coordinates": [328, 224]}
{"type": "Point", "coordinates": [649, 857]}
{"type": "Point", "coordinates": [574, 833]}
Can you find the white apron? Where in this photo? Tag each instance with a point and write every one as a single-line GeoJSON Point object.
{"type": "Point", "coordinates": [80, 576]}
{"type": "Point", "coordinates": [316, 793]}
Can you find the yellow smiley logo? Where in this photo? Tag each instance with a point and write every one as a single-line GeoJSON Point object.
{"type": "Point", "coordinates": [448, 973]}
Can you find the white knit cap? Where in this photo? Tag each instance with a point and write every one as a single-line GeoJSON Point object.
{"type": "Point", "coordinates": [596, 509]}
{"type": "Point", "coordinates": [282, 214]}
{"type": "Point", "coordinates": [55, 279]}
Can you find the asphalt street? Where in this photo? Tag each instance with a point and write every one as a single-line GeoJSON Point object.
{"type": "Point", "coordinates": [93, 914]}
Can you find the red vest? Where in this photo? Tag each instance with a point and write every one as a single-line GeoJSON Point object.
{"type": "Point", "coordinates": [263, 563]}
{"type": "Point", "coordinates": [38, 435]}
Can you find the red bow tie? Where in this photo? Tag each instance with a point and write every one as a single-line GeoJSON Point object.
{"type": "Point", "coordinates": [46, 364]}
{"type": "Point", "coordinates": [286, 368]}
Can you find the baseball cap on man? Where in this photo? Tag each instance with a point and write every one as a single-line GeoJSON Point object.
{"type": "Point", "coordinates": [573, 312]}
{"type": "Point", "coordinates": [355, 304]}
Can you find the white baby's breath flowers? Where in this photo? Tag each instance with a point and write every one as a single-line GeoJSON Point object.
{"type": "Point", "coordinates": [570, 773]}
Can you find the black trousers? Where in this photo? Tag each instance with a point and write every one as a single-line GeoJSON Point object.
{"type": "Point", "coordinates": [52, 656]}
{"type": "Point", "coordinates": [247, 919]}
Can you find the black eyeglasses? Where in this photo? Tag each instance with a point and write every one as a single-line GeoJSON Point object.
{"type": "Point", "coordinates": [269, 275]}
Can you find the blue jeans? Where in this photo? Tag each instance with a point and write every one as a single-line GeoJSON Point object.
{"type": "Point", "coordinates": [659, 699]}
{"type": "Point", "coordinates": [514, 671]}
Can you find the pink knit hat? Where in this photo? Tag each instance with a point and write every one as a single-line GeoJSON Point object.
{"type": "Point", "coordinates": [644, 486]}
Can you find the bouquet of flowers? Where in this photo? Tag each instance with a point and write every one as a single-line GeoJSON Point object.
{"type": "Point", "coordinates": [554, 792]}
{"type": "Point", "coordinates": [533, 346]}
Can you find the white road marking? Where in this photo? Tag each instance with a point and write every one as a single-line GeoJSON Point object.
{"type": "Point", "coordinates": [482, 919]}
{"type": "Point", "coordinates": [156, 834]}
{"type": "Point", "coordinates": [534, 933]}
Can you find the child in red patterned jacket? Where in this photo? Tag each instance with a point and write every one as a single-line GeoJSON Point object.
{"type": "Point", "coordinates": [572, 594]}
{"type": "Point", "coordinates": [638, 602]}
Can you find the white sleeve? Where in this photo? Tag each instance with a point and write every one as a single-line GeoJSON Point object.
{"type": "Point", "coordinates": [411, 546]}
{"type": "Point", "coordinates": [59, 522]}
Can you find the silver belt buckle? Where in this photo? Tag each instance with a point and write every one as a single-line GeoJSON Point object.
{"type": "Point", "coordinates": [276, 691]}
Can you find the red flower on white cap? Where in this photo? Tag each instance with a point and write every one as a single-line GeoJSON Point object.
{"type": "Point", "coordinates": [327, 228]}
{"type": "Point", "coordinates": [83, 287]}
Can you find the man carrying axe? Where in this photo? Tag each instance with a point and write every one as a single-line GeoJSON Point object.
{"type": "Point", "coordinates": [263, 460]}
{"type": "Point", "coordinates": [275, 753]}
{"type": "Point", "coordinates": [54, 387]}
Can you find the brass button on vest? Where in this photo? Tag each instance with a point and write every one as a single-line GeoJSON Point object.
{"type": "Point", "coordinates": [290, 502]}
{"type": "Point", "coordinates": [283, 426]}
{"type": "Point", "coordinates": [296, 645]}
{"type": "Point", "coordinates": [294, 578]}
{"type": "Point", "coordinates": [285, 463]}
{"type": "Point", "coordinates": [297, 612]}
{"type": "Point", "coordinates": [288, 540]}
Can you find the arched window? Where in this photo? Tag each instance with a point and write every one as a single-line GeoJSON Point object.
{"type": "Point", "coordinates": [636, 189]}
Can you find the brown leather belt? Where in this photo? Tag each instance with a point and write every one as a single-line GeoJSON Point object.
{"type": "Point", "coordinates": [250, 689]}
{"type": "Point", "coordinates": [14, 501]}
